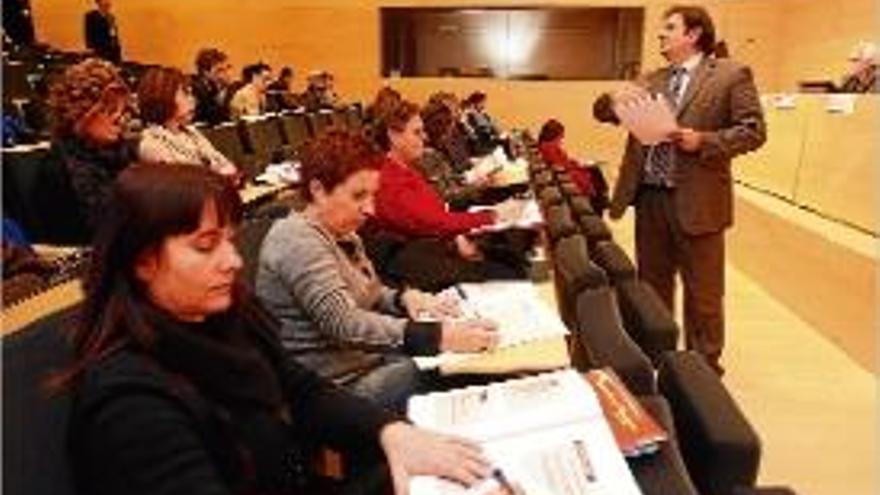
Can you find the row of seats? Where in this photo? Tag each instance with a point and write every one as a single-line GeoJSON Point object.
{"type": "Point", "coordinates": [36, 185]}
{"type": "Point", "coordinates": [618, 321]}
{"type": "Point", "coordinates": [254, 143]}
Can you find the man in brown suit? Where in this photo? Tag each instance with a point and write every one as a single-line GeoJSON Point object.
{"type": "Point", "coordinates": [682, 189]}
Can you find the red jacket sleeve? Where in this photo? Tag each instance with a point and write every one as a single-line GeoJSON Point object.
{"type": "Point", "coordinates": [406, 204]}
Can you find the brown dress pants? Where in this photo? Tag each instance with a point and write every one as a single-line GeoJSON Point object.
{"type": "Point", "coordinates": [663, 250]}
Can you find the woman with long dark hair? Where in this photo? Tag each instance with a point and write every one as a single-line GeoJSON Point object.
{"type": "Point", "coordinates": [180, 383]}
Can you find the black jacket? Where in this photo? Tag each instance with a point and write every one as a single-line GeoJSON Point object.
{"type": "Point", "coordinates": [92, 170]}
{"type": "Point", "coordinates": [139, 428]}
{"type": "Point", "coordinates": [102, 37]}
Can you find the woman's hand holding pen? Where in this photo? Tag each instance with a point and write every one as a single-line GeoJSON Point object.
{"type": "Point", "coordinates": [471, 335]}
{"type": "Point", "coordinates": [413, 451]}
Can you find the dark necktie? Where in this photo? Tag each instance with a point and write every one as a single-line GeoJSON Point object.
{"type": "Point", "coordinates": [661, 157]}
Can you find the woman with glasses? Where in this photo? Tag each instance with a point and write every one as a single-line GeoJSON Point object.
{"type": "Point", "coordinates": [89, 105]}
{"type": "Point", "coordinates": [166, 107]}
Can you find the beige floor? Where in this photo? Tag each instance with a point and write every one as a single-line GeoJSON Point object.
{"type": "Point", "coordinates": [812, 405]}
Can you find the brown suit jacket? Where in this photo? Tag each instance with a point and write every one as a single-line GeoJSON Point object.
{"type": "Point", "coordinates": [721, 101]}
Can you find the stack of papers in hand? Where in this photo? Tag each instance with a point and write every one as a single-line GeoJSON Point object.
{"type": "Point", "coordinates": [649, 119]}
{"type": "Point", "coordinates": [546, 433]}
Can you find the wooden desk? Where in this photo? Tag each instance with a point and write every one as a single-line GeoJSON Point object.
{"type": "Point", "coordinates": [30, 310]}
{"type": "Point", "coordinates": [541, 355]}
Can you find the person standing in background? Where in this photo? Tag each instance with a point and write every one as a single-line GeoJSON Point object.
{"type": "Point", "coordinates": [682, 189]}
{"type": "Point", "coordinates": [102, 36]}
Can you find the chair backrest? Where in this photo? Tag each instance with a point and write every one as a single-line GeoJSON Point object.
{"type": "Point", "coordinates": [647, 320]}
{"type": "Point", "coordinates": [580, 205]}
{"type": "Point", "coordinates": [38, 194]}
{"type": "Point", "coordinates": [228, 140]}
{"type": "Point", "coordinates": [573, 272]}
{"type": "Point", "coordinates": [355, 120]}
{"type": "Point", "coordinates": [264, 141]}
{"type": "Point", "coordinates": [594, 228]}
{"type": "Point", "coordinates": [612, 258]}
{"type": "Point", "coordinates": [549, 195]}
{"type": "Point", "coordinates": [719, 445]}
{"type": "Point", "coordinates": [249, 241]}
{"type": "Point", "coordinates": [600, 330]}
{"type": "Point", "coordinates": [339, 118]}
{"type": "Point", "coordinates": [34, 423]}
{"type": "Point", "coordinates": [559, 223]}
{"type": "Point", "coordinates": [297, 130]}
{"type": "Point", "coordinates": [319, 121]}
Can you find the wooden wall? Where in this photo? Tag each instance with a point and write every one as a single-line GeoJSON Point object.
{"type": "Point", "coordinates": [783, 40]}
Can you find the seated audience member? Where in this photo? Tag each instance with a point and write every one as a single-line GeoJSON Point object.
{"type": "Point", "coordinates": [279, 94]}
{"type": "Point", "coordinates": [551, 144]}
{"type": "Point", "coordinates": [320, 92]}
{"type": "Point", "coordinates": [166, 107]}
{"type": "Point", "coordinates": [486, 132]}
{"type": "Point", "coordinates": [250, 99]}
{"type": "Point", "coordinates": [336, 316]}
{"type": "Point", "coordinates": [210, 86]}
{"type": "Point", "coordinates": [89, 105]}
{"type": "Point", "coordinates": [421, 242]}
{"type": "Point", "coordinates": [436, 166]}
{"type": "Point", "coordinates": [180, 384]}
{"type": "Point", "coordinates": [862, 76]}
{"type": "Point", "coordinates": [459, 143]}
{"type": "Point", "coordinates": [386, 98]}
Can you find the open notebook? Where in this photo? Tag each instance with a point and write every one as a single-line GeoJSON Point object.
{"type": "Point", "coordinates": [546, 433]}
{"type": "Point", "coordinates": [521, 315]}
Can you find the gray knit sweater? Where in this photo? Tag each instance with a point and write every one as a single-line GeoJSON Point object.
{"type": "Point", "coordinates": [334, 313]}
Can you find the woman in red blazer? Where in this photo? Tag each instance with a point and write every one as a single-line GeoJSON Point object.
{"type": "Point", "coordinates": [417, 239]}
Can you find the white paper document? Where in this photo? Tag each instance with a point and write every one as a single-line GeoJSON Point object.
{"type": "Point", "coordinates": [516, 307]}
{"type": "Point", "coordinates": [546, 433]}
{"type": "Point", "coordinates": [649, 119]}
{"type": "Point", "coordinates": [529, 217]}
